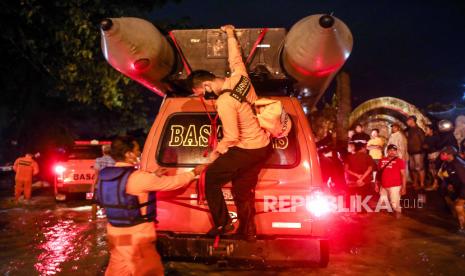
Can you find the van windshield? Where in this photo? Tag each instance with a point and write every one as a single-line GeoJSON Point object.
{"type": "Point", "coordinates": [184, 142]}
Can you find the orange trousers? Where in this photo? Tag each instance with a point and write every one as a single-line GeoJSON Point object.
{"type": "Point", "coordinates": [21, 186]}
{"type": "Point", "coordinates": [133, 257]}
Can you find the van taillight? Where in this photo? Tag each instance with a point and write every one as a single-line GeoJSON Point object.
{"type": "Point", "coordinates": [318, 204]}
{"type": "Point", "coordinates": [59, 169]}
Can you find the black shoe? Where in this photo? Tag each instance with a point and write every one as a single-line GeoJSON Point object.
{"type": "Point", "coordinates": [247, 232]}
{"type": "Point", "coordinates": [250, 237]}
{"type": "Point", "coordinates": [246, 237]}
{"type": "Point", "coordinates": [245, 213]}
{"type": "Point", "coordinates": [215, 231]}
{"type": "Point", "coordinates": [228, 228]}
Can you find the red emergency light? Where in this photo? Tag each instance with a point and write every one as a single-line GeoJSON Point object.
{"type": "Point", "coordinates": [318, 204]}
{"type": "Point", "coordinates": [91, 142]}
{"type": "Point", "coordinates": [59, 169]}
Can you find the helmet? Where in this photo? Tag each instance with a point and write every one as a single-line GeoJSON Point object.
{"type": "Point", "coordinates": [445, 126]}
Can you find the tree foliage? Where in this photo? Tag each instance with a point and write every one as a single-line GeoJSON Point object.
{"type": "Point", "coordinates": [52, 60]}
{"type": "Point", "coordinates": [61, 40]}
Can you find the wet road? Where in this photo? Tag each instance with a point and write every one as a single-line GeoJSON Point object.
{"type": "Point", "coordinates": [45, 238]}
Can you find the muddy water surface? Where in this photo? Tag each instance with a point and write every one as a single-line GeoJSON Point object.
{"type": "Point", "coordinates": [45, 238]}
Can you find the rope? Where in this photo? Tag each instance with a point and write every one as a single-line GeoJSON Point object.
{"type": "Point", "coordinates": [258, 41]}
{"type": "Point", "coordinates": [183, 59]}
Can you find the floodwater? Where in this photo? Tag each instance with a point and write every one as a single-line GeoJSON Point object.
{"type": "Point", "coordinates": [48, 238]}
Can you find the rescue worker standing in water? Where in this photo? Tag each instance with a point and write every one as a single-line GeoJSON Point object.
{"type": "Point", "coordinates": [25, 167]}
{"type": "Point", "coordinates": [128, 195]}
{"type": "Point", "coordinates": [245, 146]}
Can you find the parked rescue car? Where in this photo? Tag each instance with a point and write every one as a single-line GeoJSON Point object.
{"type": "Point", "coordinates": [178, 140]}
{"type": "Point", "coordinates": [74, 172]}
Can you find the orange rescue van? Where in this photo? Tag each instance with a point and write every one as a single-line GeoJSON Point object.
{"type": "Point", "coordinates": [290, 226]}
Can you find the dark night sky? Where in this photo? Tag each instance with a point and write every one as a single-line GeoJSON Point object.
{"type": "Point", "coordinates": [414, 50]}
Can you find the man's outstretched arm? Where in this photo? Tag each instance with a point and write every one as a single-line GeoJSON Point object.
{"type": "Point", "coordinates": [236, 64]}
{"type": "Point", "coordinates": [152, 181]}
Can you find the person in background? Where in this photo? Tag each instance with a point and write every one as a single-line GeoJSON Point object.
{"type": "Point", "coordinates": [358, 170]}
{"type": "Point", "coordinates": [462, 148]}
{"type": "Point", "coordinates": [350, 148]}
{"type": "Point", "coordinates": [25, 167]}
{"type": "Point", "coordinates": [446, 135]}
{"type": "Point", "coordinates": [100, 163]}
{"type": "Point", "coordinates": [398, 139]}
{"type": "Point", "coordinates": [393, 179]}
{"type": "Point", "coordinates": [105, 160]}
{"type": "Point", "coordinates": [131, 228]}
{"type": "Point", "coordinates": [431, 147]}
{"type": "Point", "coordinates": [360, 136]}
{"type": "Point", "coordinates": [375, 146]}
{"type": "Point", "coordinates": [350, 134]}
{"type": "Point", "coordinates": [456, 182]}
{"type": "Point", "coordinates": [332, 168]}
{"type": "Point", "coordinates": [415, 140]}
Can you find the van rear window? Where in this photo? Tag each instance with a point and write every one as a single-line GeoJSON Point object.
{"type": "Point", "coordinates": [85, 152]}
{"type": "Point", "coordinates": [184, 142]}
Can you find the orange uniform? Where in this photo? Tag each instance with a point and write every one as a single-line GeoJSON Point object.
{"type": "Point", "coordinates": [240, 127]}
{"type": "Point", "coordinates": [25, 167]}
{"type": "Point", "coordinates": [132, 248]}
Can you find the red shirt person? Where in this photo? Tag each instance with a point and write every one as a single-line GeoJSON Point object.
{"type": "Point", "coordinates": [25, 167]}
{"type": "Point", "coordinates": [393, 178]}
{"type": "Point", "coordinates": [358, 169]}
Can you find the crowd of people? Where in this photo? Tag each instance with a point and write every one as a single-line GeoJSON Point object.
{"type": "Point", "coordinates": [431, 160]}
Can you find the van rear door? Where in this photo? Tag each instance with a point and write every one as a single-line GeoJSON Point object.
{"type": "Point", "coordinates": [178, 141]}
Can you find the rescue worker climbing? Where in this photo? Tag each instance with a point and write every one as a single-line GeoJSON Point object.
{"type": "Point", "coordinates": [25, 167]}
{"type": "Point", "coordinates": [128, 195]}
{"type": "Point", "coordinates": [245, 146]}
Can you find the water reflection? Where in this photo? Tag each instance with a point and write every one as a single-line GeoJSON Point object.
{"type": "Point", "coordinates": [59, 246]}
{"type": "Point", "coordinates": [49, 239]}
